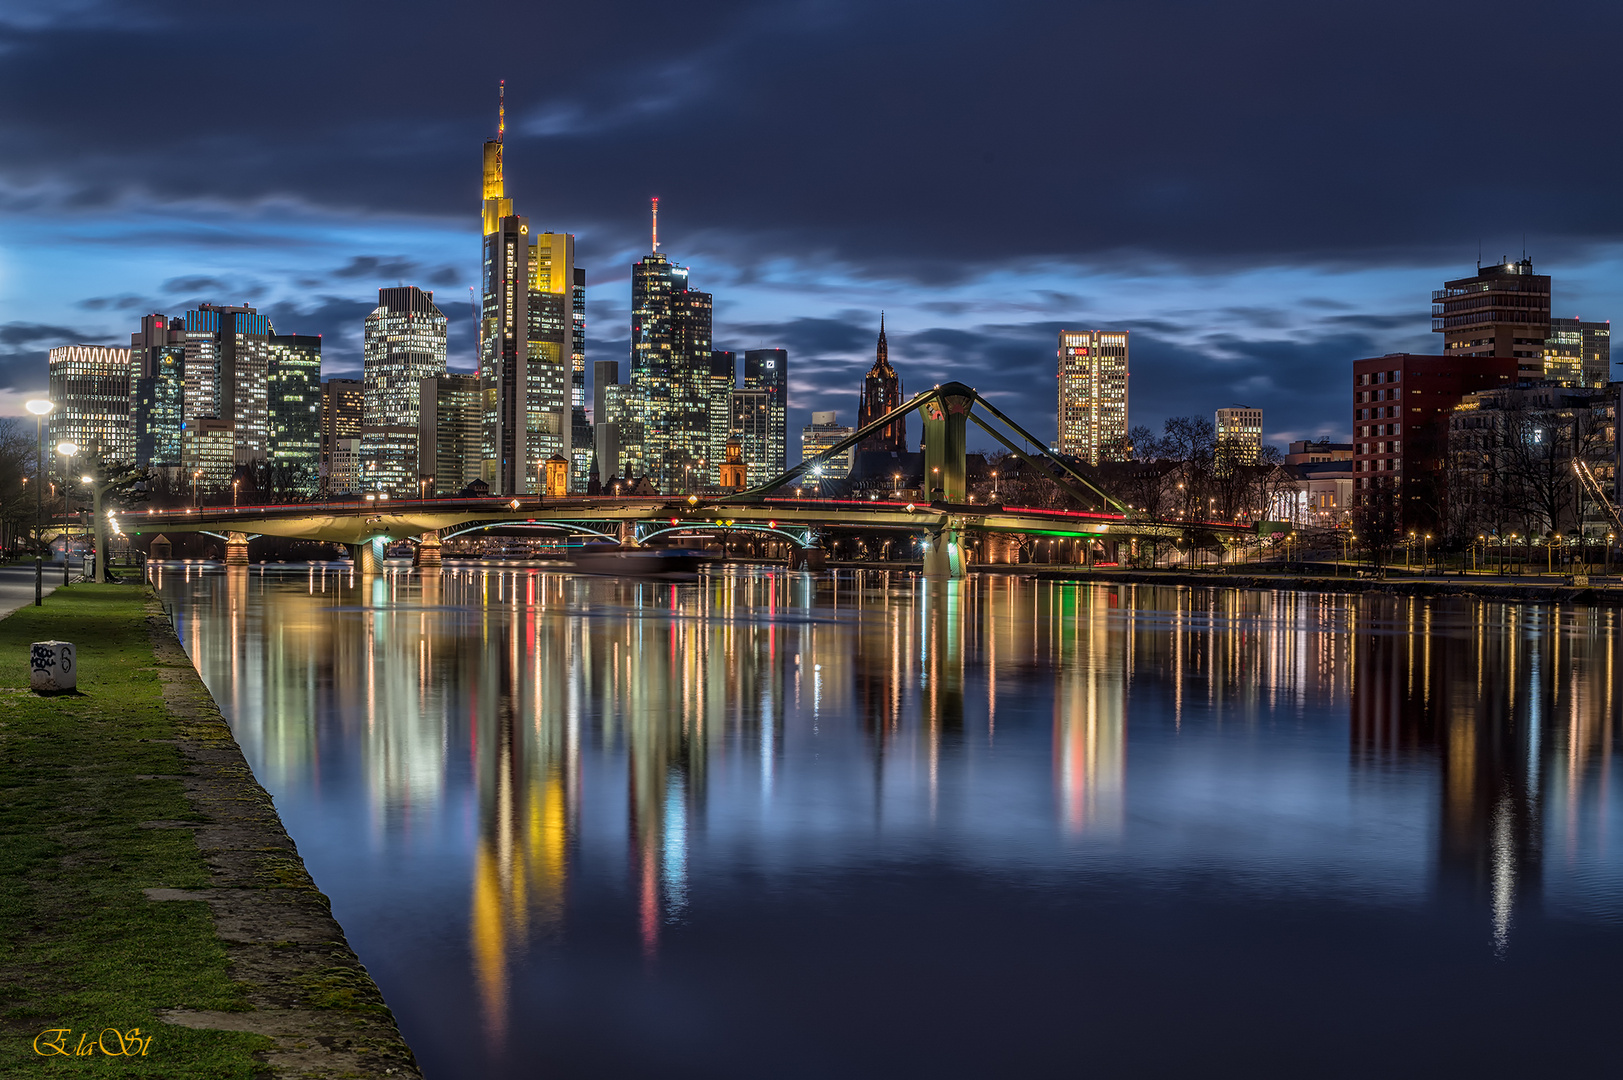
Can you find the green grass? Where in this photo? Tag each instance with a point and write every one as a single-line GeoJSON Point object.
{"type": "Point", "coordinates": [80, 947]}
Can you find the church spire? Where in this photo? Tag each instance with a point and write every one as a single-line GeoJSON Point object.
{"type": "Point", "coordinates": [884, 349]}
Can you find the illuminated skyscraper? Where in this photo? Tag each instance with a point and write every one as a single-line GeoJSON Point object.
{"type": "Point", "coordinates": [342, 409]}
{"type": "Point", "coordinates": [448, 434]}
{"type": "Point", "coordinates": [823, 432]}
{"type": "Point", "coordinates": [1578, 353]}
{"type": "Point", "coordinates": [91, 387]}
{"type": "Point", "coordinates": [1503, 311]}
{"type": "Point", "coordinates": [158, 374]}
{"type": "Point", "coordinates": [670, 370]}
{"type": "Point", "coordinates": [532, 301]}
{"type": "Point", "coordinates": [1093, 394]}
{"type": "Point", "coordinates": [882, 392]}
{"type": "Point", "coordinates": [768, 370]}
{"type": "Point", "coordinates": [404, 344]}
{"type": "Point", "coordinates": [227, 374]}
{"type": "Point", "coordinates": [294, 396]}
{"type": "Point", "coordinates": [723, 378]}
{"type": "Point", "coordinates": [752, 427]}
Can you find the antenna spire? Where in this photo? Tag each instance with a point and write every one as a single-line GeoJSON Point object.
{"type": "Point", "coordinates": [501, 112]}
{"type": "Point", "coordinates": [656, 223]}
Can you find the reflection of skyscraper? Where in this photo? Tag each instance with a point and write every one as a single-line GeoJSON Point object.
{"type": "Point", "coordinates": [882, 392]}
{"type": "Point", "coordinates": [1089, 715]}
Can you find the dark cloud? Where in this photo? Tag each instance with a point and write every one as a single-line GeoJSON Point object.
{"type": "Point", "coordinates": [941, 139]}
{"type": "Point", "coordinates": [125, 302]}
{"type": "Point", "coordinates": [372, 266]}
{"type": "Point", "coordinates": [193, 285]}
{"type": "Point", "coordinates": [21, 333]}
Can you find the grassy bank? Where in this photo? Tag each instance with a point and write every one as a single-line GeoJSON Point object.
{"type": "Point", "coordinates": [80, 947]}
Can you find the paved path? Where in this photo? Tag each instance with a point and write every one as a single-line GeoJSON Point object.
{"type": "Point", "coordinates": [17, 585]}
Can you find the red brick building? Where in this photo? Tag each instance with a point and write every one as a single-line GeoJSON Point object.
{"type": "Point", "coordinates": [1401, 406]}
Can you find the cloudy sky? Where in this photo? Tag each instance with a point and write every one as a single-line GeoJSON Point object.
{"type": "Point", "coordinates": [1260, 192]}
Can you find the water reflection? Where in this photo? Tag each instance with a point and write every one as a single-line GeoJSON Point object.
{"type": "Point", "coordinates": [608, 761]}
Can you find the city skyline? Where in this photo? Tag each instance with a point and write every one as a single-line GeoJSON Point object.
{"type": "Point", "coordinates": [1227, 298]}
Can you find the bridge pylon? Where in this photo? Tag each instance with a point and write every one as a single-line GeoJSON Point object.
{"type": "Point", "coordinates": [369, 555]}
{"type": "Point", "coordinates": [428, 550]}
{"type": "Point", "coordinates": [236, 549]}
{"type": "Point", "coordinates": [943, 553]}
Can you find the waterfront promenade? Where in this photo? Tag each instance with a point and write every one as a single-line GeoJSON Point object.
{"type": "Point", "coordinates": [151, 904]}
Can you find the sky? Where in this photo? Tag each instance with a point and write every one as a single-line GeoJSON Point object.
{"type": "Point", "coordinates": [1260, 192]}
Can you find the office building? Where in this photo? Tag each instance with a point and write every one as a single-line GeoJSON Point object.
{"type": "Point", "coordinates": [404, 344]}
{"type": "Point", "coordinates": [449, 455]}
{"type": "Point", "coordinates": [208, 454]}
{"type": "Point", "coordinates": [767, 370]}
{"type": "Point", "coordinates": [606, 390]}
{"type": "Point", "coordinates": [343, 405]}
{"type": "Point", "coordinates": [751, 426]}
{"type": "Point", "coordinates": [823, 432]}
{"type": "Point", "coordinates": [1502, 311]}
{"type": "Point", "coordinates": [723, 379]}
{"type": "Point", "coordinates": [294, 402]}
{"type": "Point", "coordinates": [228, 373]}
{"type": "Point", "coordinates": [1311, 452]}
{"type": "Point", "coordinates": [1093, 395]}
{"type": "Point", "coordinates": [344, 467]}
{"type": "Point", "coordinates": [881, 393]}
{"type": "Point", "coordinates": [670, 372]}
{"type": "Point", "coordinates": [1578, 353]}
{"type": "Point", "coordinates": [1239, 435]}
{"type": "Point", "coordinates": [91, 387]}
{"type": "Point", "coordinates": [1401, 408]}
{"type": "Point", "coordinates": [581, 439]}
{"type": "Point", "coordinates": [158, 383]}
{"type": "Point", "coordinates": [527, 330]}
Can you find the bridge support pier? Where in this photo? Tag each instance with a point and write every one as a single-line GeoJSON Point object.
{"type": "Point", "coordinates": [428, 551]}
{"type": "Point", "coordinates": [368, 555]}
{"type": "Point", "coordinates": [628, 534]}
{"type": "Point", "coordinates": [236, 549]}
{"type": "Point", "coordinates": [814, 557]}
{"type": "Point", "coordinates": [943, 554]}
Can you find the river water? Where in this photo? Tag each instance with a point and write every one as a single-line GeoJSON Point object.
{"type": "Point", "coordinates": [774, 824]}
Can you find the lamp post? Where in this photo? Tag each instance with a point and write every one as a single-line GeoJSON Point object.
{"type": "Point", "coordinates": [1425, 555]}
{"type": "Point", "coordinates": [235, 487]}
{"type": "Point", "coordinates": [39, 407]}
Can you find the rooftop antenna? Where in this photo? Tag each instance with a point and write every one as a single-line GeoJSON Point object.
{"type": "Point", "coordinates": [656, 223]}
{"type": "Point", "coordinates": [501, 112]}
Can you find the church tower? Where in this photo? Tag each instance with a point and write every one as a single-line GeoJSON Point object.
{"type": "Point", "coordinates": [882, 392]}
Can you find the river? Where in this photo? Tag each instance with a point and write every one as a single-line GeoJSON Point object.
{"type": "Point", "coordinates": [774, 824]}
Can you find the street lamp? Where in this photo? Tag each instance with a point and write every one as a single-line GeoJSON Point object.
{"type": "Point", "coordinates": [39, 407]}
{"type": "Point", "coordinates": [235, 484]}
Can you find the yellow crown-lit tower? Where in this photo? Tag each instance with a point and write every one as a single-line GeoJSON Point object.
{"type": "Point", "coordinates": [496, 205]}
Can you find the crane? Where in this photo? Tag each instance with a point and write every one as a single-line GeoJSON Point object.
{"type": "Point", "coordinates": [1592, 486]}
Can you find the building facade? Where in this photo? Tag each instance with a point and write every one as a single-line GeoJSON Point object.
{"type": "Point", "coordinates": [751, 426]}
{"type": "Point", "coordinates": [449, 454]}
{"type": "Point", "coordinates": [404, 344]}
{"type": "Point", "coordinates": [670, 374]}
{"type": "Point", "coordinates": [158, 382]}
{"type": "Point", "coordinates": [1504, 310]}
{"type": "Point", "coordinates": [723, 380]}
{"type": "Point", "coordinates": [1093, 395]}
{"type": "Point", "coordinates": [882, 393]}
{"type": "Point", "coordinates": [1401, 408]}
{"type": "Point", "coordinates": [90, 385]}
{"type": "Point", "coordinates": [821, 434]}
{"type": "Point", "coordinates": [1578, 353]}
{"type": "Point", "coordinates": [1239, 435]}
{"type": "Point", "coordinates": [343, 407]}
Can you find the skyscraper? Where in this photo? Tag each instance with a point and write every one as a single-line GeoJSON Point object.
{"type": "Point", "coordinates": [580, 437]}
{"type": "Point", "coordinates": [532, 298]}
{"type": "Point", "coordinates": [227, 373]}
{"type": "Point", "coordinates": [342, 410]}
{"type": "Point", "coordinates": [158, 374]}
{"type": "Point", "coordinates": [768, 370]}
{"type": "Point", "coordinates": [723, 378]}
{"type": "Point", "coordinates": [91, 387]}
{"type": "Point", "coordinates": [1093, 394]}
{"type": "Point", "coordinates": [882, 392]}
{"type": "Point", "coordinates": [823, 432]}
{"type": "Point", "coordinates": [294, 403]}
{"type": "Point", "coordinates": [404, 344]}
{"type": "Point", "coordinates": [670, 370]}
{"type": "Point", "coordinates": [1503, 311]}
{"type": "Point", "coordinates": [751, 424]}
{"type": "Point", "coordinates": [448, 433]}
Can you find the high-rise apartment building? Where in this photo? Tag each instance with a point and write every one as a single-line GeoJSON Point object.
{"type": "Point", "coordinates": [882, 392]}
{"type": "Point", "coordinates": [449, 447]}
{"type": "Point", "coordinates": [343, 404]}
{"type": "Point", "coordinates": [1093, 394]}
{"type": "Point", "coordinates": [91, 387]}
{"type": "Point", "coordinates": [1503, 311]}
{"type": "Point", "coordinates": [294, 403]}
{"type": "Point", "coordinates": [768, 370]}
{"type": "Point", "coordinates": [823, 432]}
{"type": "Point", "coordinates": [404, 344]}
{"type": "Point", "coordinates": [670, 372]}
{"type": "Point", "coordinates": [527, 352]}
{"type": "Point", "coordinates": [1401, 408]}
{"type": "Point", "coordinates": [1239, 435]}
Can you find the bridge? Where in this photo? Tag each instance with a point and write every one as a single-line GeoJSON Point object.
{"type": "Point", "coordinates": [368, 525]}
